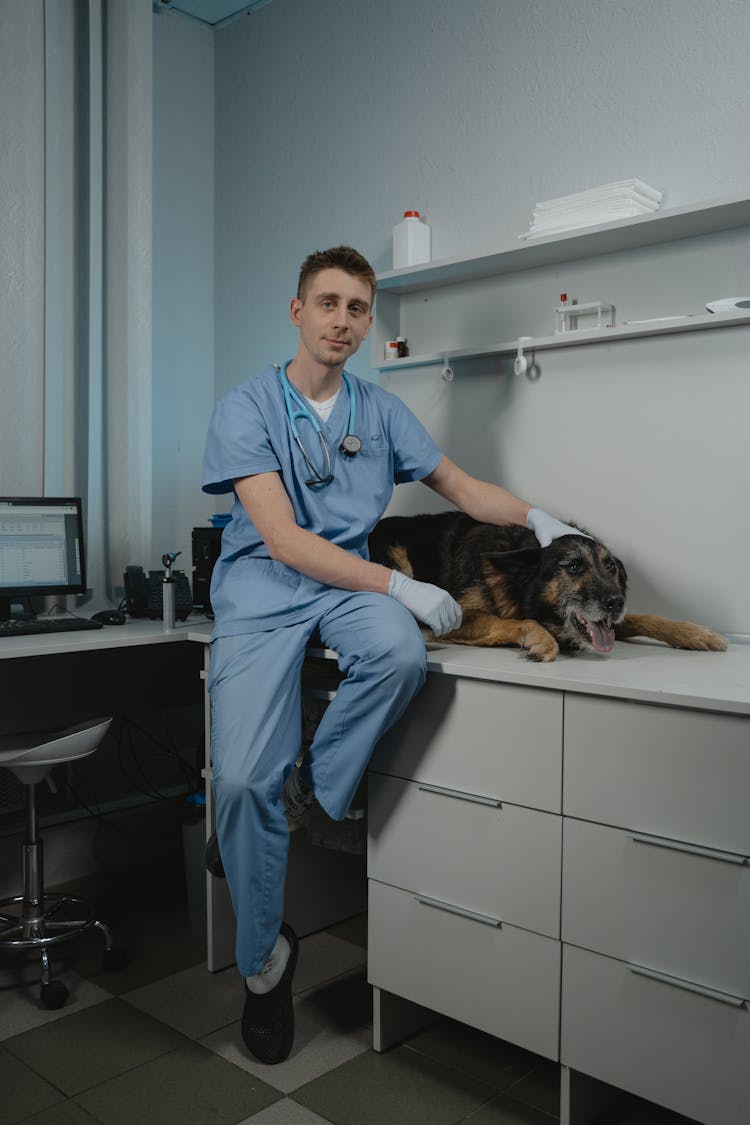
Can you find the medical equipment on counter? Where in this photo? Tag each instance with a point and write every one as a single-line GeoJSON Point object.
{"type": "Point", "coordinates": [568, 315]}
{"type": "Point", "coordinates": [168, 583]}
{"type": "Point", "coordinates": [350, 445]}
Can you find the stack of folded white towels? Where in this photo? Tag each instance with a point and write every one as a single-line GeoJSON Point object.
{"type": "Point", "coordinates": [605, 204]}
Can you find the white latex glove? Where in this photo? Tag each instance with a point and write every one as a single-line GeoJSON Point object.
{"type": "Point", "coordinates": [546, 527]}
{"type": "Point", "coordinates": [430, 604]}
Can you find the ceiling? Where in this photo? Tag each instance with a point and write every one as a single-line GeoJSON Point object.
{"type": "Point", "coordinates": [212, 13]}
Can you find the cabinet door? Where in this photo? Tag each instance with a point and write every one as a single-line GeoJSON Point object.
{"type": "Point", "coordinates": [494, 977]}
{"type": "Point", "coordinates": [666, 1042]}
{"type": "Point", "coordinates": [681, 909]}
{"type": "Point", "coordinates": [665, 771]}
{"type": "Point", "coordinates": [493, 858]}
{"type": "Point", "coordinates": [492, 739]}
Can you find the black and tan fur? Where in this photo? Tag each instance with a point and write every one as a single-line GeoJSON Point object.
{"type": "Point", "coordinates": [570, 595]}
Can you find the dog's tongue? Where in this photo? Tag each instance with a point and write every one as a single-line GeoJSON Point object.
{"type": "Point", "coordinates": [602, 636]}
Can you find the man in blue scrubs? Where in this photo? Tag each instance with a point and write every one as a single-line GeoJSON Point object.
{"type": "Point", "coordinates": [294, 561]}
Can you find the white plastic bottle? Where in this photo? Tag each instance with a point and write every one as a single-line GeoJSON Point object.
{"type": "Point", "coordinates": [411, 241]}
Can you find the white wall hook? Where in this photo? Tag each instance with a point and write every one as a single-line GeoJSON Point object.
{"type": "Point", "coordinates": [447, 372]}
{"type": "Point", "coordinates": [520, 363]}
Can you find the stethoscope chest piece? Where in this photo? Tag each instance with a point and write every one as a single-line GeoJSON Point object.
{"type": "Point", "coordinates": [351, 445]}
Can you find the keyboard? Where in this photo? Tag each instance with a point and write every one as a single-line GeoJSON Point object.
{"type": "Point", "coordinates": [46, 626]}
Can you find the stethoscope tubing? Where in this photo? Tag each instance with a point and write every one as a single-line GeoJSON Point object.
{"type": "Point", "coordinates": [292, 400]}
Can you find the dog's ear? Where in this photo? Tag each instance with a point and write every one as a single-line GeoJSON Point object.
{"type": "Point", "coordinates": [504, 561]}
{"type": "Point", "coordinates": [622, 572]}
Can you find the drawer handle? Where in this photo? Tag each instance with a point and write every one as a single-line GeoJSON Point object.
{"type": "Point", "coordinates": [473, 797]}
{"type": "Point", "coordinates": [460, 910]}
{"type": "Point", "coordinates": [691, 849]}
{"type": "Point", "coordinates": [688, 986]}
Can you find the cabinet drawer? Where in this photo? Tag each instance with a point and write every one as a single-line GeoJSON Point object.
{"type": "Point", "coordinates": [641, 898]}
{"type": "Point", "coordinates": [498, 978]}
{"type": "Point", "coordinates": [665, 1043]}
{"type": "Point", "coordinates": [683, 774]}
{"type": "Point", "coordinates": [497, 740]}
{"type": "Point", "coordinates": [501, 860]}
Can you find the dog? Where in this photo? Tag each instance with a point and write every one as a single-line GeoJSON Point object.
{"type": "Point", "coordinates": [568, 596]}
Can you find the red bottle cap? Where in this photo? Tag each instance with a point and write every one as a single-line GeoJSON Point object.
{"type": "Point", "coordinates": [411, 214]}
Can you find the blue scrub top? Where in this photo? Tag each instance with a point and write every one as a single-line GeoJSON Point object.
{"type": "Point", "coordinates": [250, 433]}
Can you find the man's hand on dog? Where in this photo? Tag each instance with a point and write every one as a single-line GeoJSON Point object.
{"type": "Point", "coordinates": [428, 603]}
{"type": "Point", "coordinates": [547, 527]}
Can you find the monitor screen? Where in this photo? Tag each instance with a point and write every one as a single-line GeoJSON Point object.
{"type": "Point", "coordinates": [41, 547]}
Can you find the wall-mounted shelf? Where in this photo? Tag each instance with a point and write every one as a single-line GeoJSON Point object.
{"type": "Point", "coordinates": [437, 307]}
{"type": "Point", "coordinates": [661, 226]}
{"type": "Point", "coordinates": [567, 340]}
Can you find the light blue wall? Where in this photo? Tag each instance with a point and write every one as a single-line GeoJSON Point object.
{"type": "Point", "coordinates": [183, 279]}
{"type": "Point", "coordinates": [334, 116]}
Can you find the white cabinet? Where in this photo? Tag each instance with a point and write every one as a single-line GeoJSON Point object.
{"type": "Point", "coordinates": [573, 857]}
{"type": "Point", "coordinates": [656, 904]}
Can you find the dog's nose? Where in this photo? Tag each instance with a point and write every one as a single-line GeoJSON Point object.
{"type": "Point", "coordinates": [614, 604]}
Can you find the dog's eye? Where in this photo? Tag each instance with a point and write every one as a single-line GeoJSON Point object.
{"type": "Point", "coordinates": [574, 567]}
{"type": "Point", "coordinates": [611, 566]}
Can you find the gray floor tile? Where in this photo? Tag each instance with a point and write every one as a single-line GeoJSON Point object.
{"type": "Point", "coordinates": [91, 1046]}
{"type": "Point", "coordinates": [327, 1034]}
{"type": "Point", "coordinates": [540, 1088]}
{"type": "Point", "coordinates": [194, 1001]}
{"type": "Point", "coordinates": [189, 1084]}
{"type": "Point", "coordinates": [20, 1009]}
{"type": "Point", "coordinates": [23, 1091]}
{"type": "Point", "coordinates": [66, 1113]}
{"type": "Point", "coordinates": [490, 1060]}
{"type": "Point", "coordinates": [285, 1112]}
{"type": "Point", "coordinates": [507, 1111]}
{"type": "Point", "coordinates": [322, 957]}
{"type": "Point", "coordinates": [629, 1110]}
{"type": "Point", "coordinates": [400, 1087]}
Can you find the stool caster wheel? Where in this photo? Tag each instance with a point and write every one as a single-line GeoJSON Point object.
{"type": "Point", "coordinates": [114, 958]}
{"type": "Point", "coordinates": [53, 995]}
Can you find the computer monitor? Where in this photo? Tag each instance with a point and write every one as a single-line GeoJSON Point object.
{"type": "Point", "coordinates": [41, 549]}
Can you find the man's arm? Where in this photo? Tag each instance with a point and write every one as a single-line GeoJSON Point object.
{"type": "Point", "coordinates": [485, 502]}
{"type": "Point", "coordinates": [489, 503]}
{"type": "Point", "coordinates": [265, 500]}
{"type": "Point", "coordinates": [267, 504]}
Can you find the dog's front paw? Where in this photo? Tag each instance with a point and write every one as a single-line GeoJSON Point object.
{"type": "Point", "coordinates": [697, 637]}
{"type": "Point", "coordinates": [539, 644]}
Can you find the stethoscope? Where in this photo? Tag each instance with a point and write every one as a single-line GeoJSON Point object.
{"type": "Point", "coordinates": [296, 407]}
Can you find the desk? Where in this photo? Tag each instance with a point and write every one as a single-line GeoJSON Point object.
{"type": "Point", "coordinates": [112, 670]}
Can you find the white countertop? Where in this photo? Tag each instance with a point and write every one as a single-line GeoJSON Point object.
{"type": "Point", "coordinates": [642, 671]}
{"type": "Point", "coordinates": [139, 632]}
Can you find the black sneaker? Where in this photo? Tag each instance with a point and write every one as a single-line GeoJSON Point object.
{"type": "Point", "coordinates": [268, 1019]}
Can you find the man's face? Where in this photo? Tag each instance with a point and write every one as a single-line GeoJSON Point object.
{"type": "Point", "coordinates": [333, 317]}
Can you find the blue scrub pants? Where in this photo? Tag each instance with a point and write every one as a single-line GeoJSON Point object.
{"type": "Point", "coordinates": [256, 737]}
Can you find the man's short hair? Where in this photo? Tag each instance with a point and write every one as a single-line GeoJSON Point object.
{"type": "Point", "coordinates": [337, 258]}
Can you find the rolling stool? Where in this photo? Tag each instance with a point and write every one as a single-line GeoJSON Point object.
{"type": "Point", "coordinates": [40, 919]}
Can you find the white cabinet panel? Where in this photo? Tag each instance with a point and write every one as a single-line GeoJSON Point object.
{"type": "Point", "coordinates": [664, 771]}
{"type": "Point", "coordinates": [646, 899]}
{"type": "Point", "coordinates": [502, 860]}
{"type": "Point", "coordinates": [663, 1041]}
{"type": "Point", "coordinates": [493, 739]}
{"type": "Point", "coordinates": [499, 979]}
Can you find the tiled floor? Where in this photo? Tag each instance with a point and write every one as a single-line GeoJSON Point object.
{"type": "Point", "coordinates": [158, 1042]}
